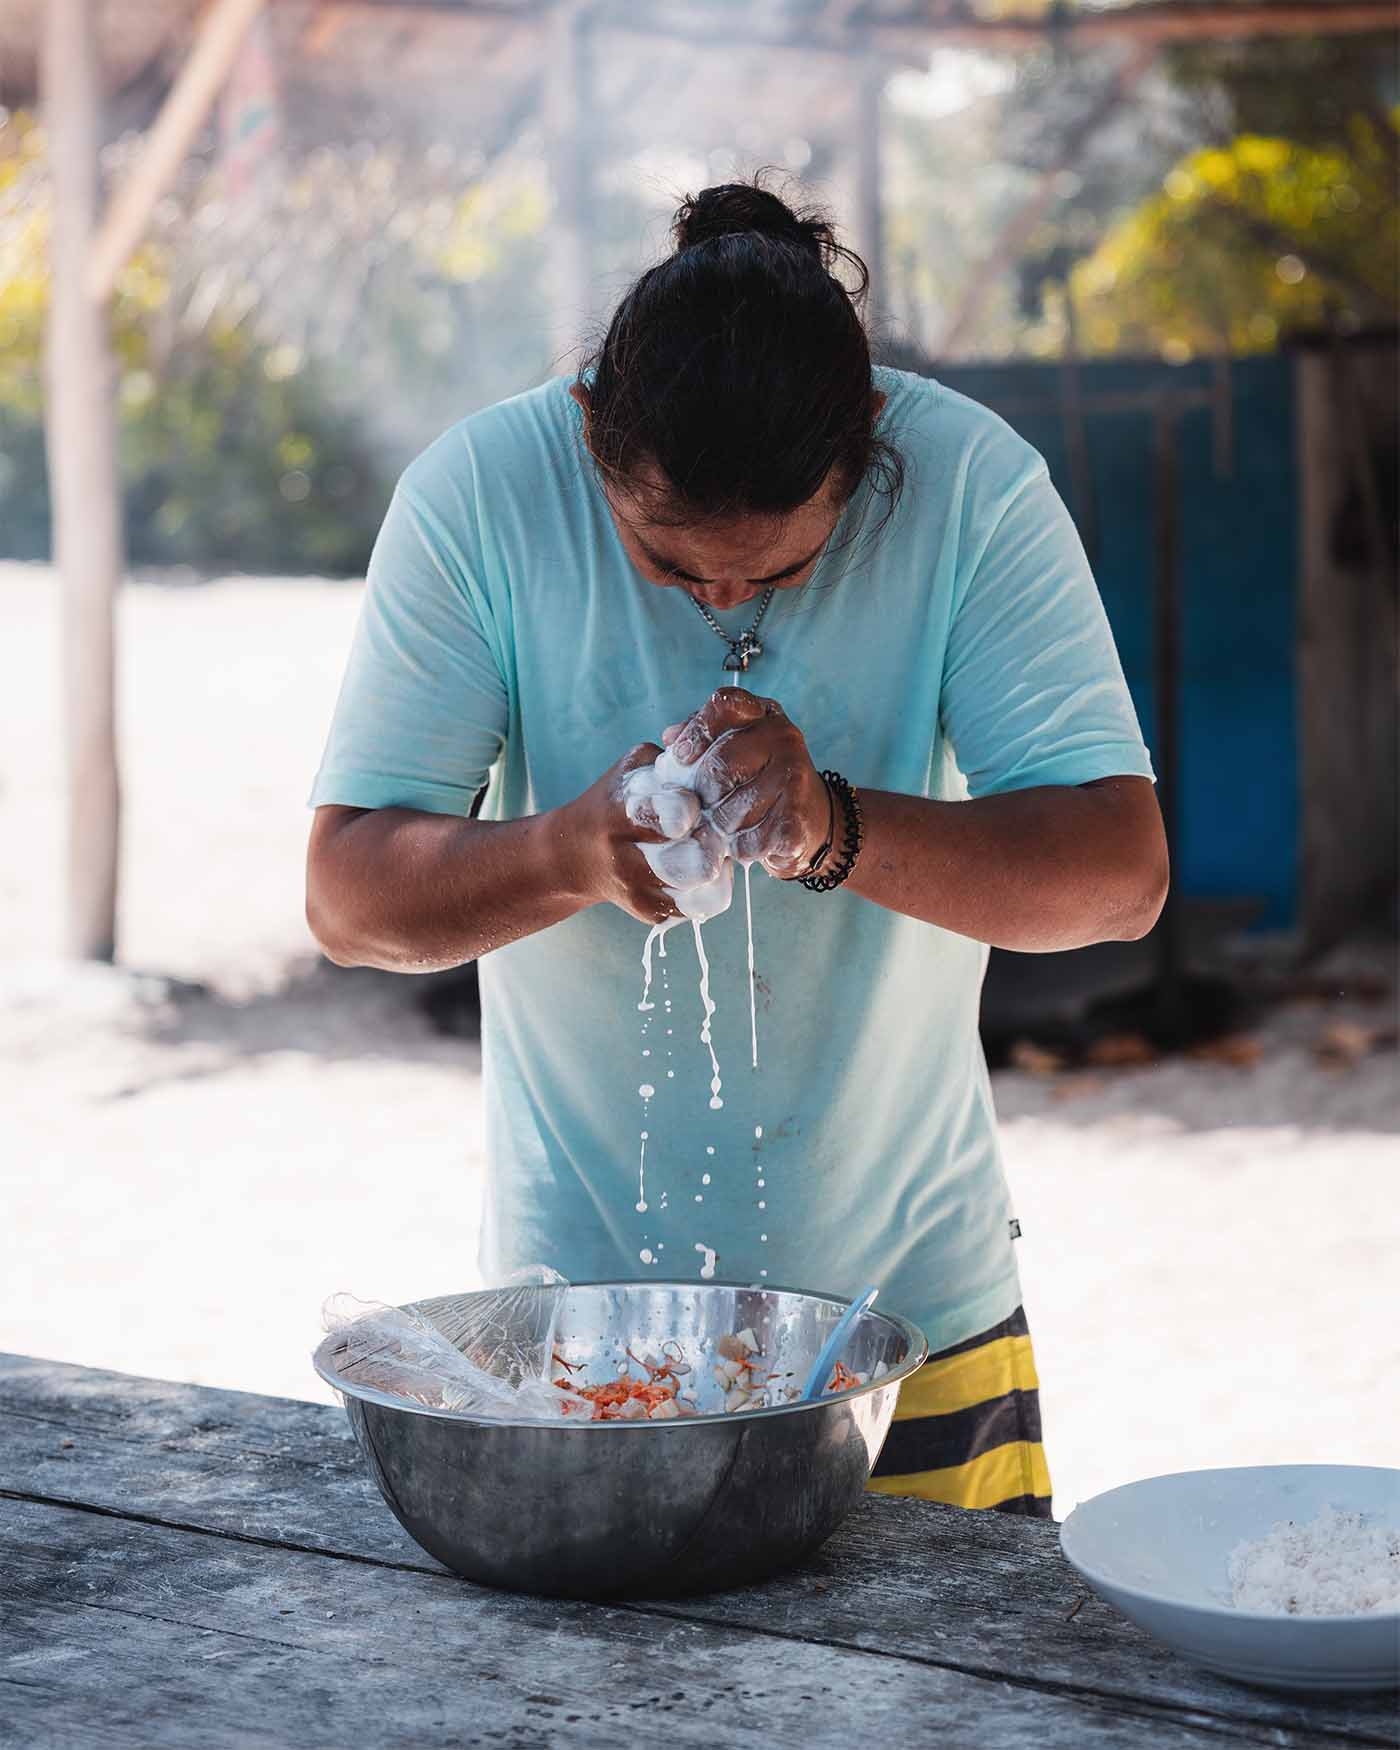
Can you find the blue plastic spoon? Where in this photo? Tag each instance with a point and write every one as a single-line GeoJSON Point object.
{"type": "Point", "coordinates": [834, 1345]}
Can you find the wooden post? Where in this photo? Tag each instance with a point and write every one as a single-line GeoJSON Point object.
{"type": "Point", "coordinates": [1348, 728]}
{"type": "Point", "coordinates": [869, 218]}
{"type": "Point", "coordinates": [84, 487]}
{"type": "Point", "coordinates": [566, 117]}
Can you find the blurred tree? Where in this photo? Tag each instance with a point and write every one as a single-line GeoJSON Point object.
{"type": "Point", "coordinates": [1248, 242]}
{"type": "Point", "coordinates": [1284, 215]}
{"type": "Point", "coordinates": [1183, 219]}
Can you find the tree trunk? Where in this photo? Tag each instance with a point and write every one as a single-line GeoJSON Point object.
{"type": "Point", "coordinates": [84, 488]}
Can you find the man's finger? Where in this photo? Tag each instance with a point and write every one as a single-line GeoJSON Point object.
{"type": "Point", "coordinates": [646, 753]}
{"type": "Point", "coordinates": [685, 862]}
{"type": "Point", "coordinates": [667, 810]}
{"type": "Point", "coordinates": [728, 708]}
{"type": "Point", "coordinates": [739, 758]}
{"type": "Point", "coordinates": [777, 842]}
{"type": "Point", "coordinates": [632, 789]}
{"type": "Point", "coordinates": [742, 811]}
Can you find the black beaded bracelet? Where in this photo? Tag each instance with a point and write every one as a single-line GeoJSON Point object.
{"type": "Point", "coordinates": [854, 838]}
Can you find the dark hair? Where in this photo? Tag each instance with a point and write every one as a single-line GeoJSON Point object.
{"type": "Point", "coordinates": [739, 365]}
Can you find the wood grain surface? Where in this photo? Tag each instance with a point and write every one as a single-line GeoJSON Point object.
{"type": "Point", "coordinates": [184, 1566]}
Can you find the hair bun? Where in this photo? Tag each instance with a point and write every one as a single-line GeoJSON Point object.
{"type": "Point", "coordinates": [737, 208]}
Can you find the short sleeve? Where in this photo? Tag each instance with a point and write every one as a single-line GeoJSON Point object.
{"type": "Point", "coordinates": [423, 708]}
{"type": "Point", "coordinates": [1033, 691]}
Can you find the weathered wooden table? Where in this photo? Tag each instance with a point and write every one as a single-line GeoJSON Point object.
{"type": "Point", "coordinates": [186, 1567]}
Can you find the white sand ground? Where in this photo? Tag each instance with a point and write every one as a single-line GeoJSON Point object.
{"type": "Point", "coordinates": [1210, 1254]}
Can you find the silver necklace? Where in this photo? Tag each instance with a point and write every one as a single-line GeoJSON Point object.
{"type": "Point", "coordinates": [747, 647]}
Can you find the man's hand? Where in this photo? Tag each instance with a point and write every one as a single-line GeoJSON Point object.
{"type": "Point", "coordinates": [756, 779]}
{"type": "Point", "coordinates": [604, 833]}
{"type": "Point", "coordinates": [411, 891]}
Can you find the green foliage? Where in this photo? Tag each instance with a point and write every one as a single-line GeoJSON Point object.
{"type": "Point", "coordinates": [1245, 191]}
{"type": "Point", "coordinates": [1246, 243]}
{"type": "Point", "coordinates": [231, 462]}
{"type": "Point", "coordinates": [231, 451]}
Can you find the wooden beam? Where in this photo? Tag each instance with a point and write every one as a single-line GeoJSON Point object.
{"type": "Point", "coordinates": [322, 28]}
{"type": "Point", "coordinates": [915, 34]}
{"type": "Point", "coordinates": [221, 33]}
{"type": "Point", "coordinates": [1176, 21]}
{"type": "Point", "coordinates": [84, 488]}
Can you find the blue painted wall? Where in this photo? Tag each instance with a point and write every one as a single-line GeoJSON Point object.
{"type": "Point", "coordinates": [1238, 551]}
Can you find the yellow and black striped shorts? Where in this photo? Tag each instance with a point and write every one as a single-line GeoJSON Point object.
{"type": "Point", "coordinates": [966, 1429]}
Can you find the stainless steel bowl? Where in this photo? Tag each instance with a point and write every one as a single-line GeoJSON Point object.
{"type": "Point", "coordinates": [599, 1509]}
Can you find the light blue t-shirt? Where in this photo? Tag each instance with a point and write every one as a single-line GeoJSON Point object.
{"type": "Point", "coordinates": [960, 649]}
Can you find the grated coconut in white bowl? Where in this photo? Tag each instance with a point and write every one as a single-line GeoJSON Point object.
{"type": "Point", "coordinates": [1339, 1564]}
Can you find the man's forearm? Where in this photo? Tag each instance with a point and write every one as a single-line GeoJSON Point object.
{"type": "Point", "coordinates": [413, 892]}
{"type": "Point", "coordinates": [1033, 870]}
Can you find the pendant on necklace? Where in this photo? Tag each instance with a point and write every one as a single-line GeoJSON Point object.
{"type": "Point", "coordinates": [747, 647]}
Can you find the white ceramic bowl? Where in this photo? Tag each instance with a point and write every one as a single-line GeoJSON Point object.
{"type": "Point", "coordinates": [1159, 1551]}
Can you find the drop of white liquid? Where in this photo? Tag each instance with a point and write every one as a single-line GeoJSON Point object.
{"type": "Point", "coordinates": [645, 1255]}
{"type": "Point", "coordinates": [763, 1237]}
{"type": "Point", "coordinates": [670, 1072]}
{"type": "Point", "coordinates": [704, 1178]}
{"type": "Point", "coordinates": [706, 1037]}
{"type": "Point", "coordinates": [748, 917]}
{"type": "Point", "coordinates": [709, 1149]}
{"type": "Point", "coordinates": [646, 1090]}
{"type": "Point", "coordinates": [699, 1198]}
{"type": "Point", "coordinates": [642, 1178]}
{"type": "Point", "coordinates": [709, 1259]}
{"type": "Point", "coordinates": [762, 1183]}
{"type": "Point", "coordinates": [657, 933]}
{"type": "Point", "coordinates": [762, 1204]}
